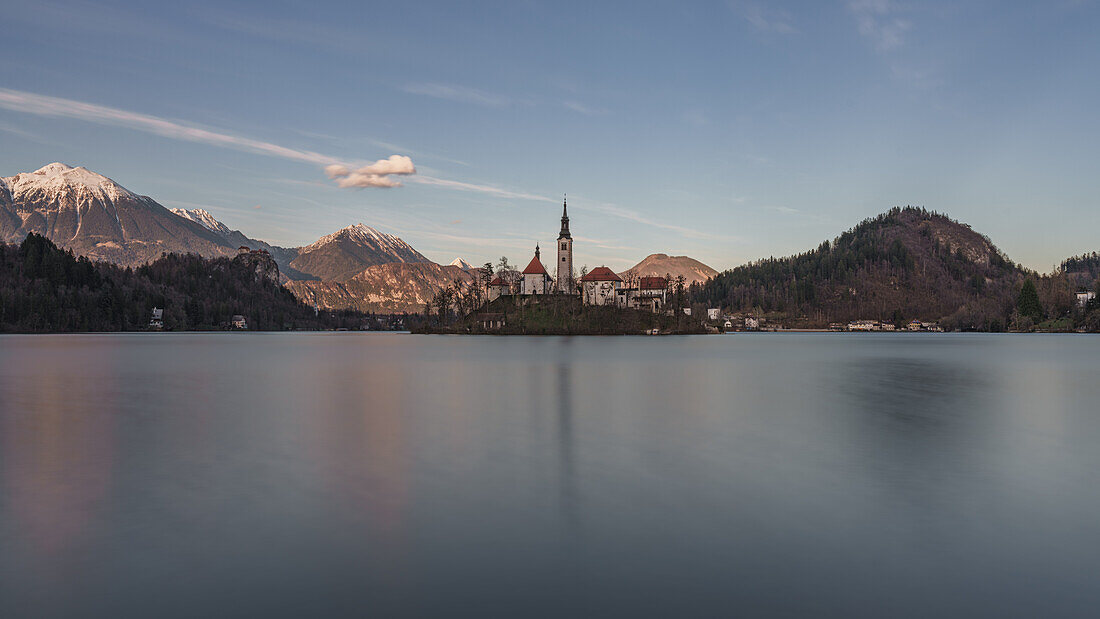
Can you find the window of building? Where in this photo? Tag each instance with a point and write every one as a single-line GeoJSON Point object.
{"type": "Point", "coordinates": [564, 246]}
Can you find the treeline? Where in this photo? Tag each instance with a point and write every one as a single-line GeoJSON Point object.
{"type": "Point", "coordinates": [47, 289]}
{"type": "Point", "coordinates": [908, 263]}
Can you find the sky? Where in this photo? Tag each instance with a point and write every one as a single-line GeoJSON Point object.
{"type": "Point", "coordinates": [726, 131]}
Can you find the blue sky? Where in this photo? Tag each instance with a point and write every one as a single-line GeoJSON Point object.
{"type": "Point", "coordinates": [727, 131]}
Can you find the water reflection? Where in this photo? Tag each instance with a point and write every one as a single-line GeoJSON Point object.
{"type": "Point", "coordinates": [567, 475]}
{"type": "Point", "coordinates": [344, 474]}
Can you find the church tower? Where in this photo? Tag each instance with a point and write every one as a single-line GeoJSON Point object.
{"type": "Point", "coordinates": [565, 254]}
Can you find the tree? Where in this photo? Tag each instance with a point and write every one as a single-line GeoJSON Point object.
{"type": "Point", "coordinates": [1028, 302]}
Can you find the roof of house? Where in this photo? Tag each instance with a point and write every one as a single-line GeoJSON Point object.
{"type": "Point", "coordinates": [652, 283]}
{"type": "Point", "coordinates": [535, 268]}
{"type": "Point", "coordinates": [601, 274]}
{"type": "Point", "coordinates": [497, 281]}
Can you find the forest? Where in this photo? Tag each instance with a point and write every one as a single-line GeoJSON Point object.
{"type": "Point", "coordinates": [46, 289]}
{"type": "Point", "coordinates": [908, 263]}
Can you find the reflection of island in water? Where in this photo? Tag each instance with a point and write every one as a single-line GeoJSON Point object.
{"type": "Point", "coordinates": [919, 421]}
{"type": "Point", "coordinates": [567, 482]}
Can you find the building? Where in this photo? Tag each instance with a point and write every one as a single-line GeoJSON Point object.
{"type": "Point", "coordinates": [1084, 296]}
{"type": "Point", "coordinates": [498, 288]}
{"type": "Point", "coordinates": [238, 322]}
{"type": "Point", "coordinates": [157, 320]}
{"type": "Point", "coordinates": [565, 255]}
{"type": "Point", "coordinates": [713, 313]}
{"type": "Point", "coordinates": [751, 323]}
{"type": "Point", "coordinates": [535, 278]}
{"type": "Point", "coordinates": [652, 294]}
{"type": "Point", "coordinates": [490, 321]}
{"type": "Point", "coordinates": [600, 287]}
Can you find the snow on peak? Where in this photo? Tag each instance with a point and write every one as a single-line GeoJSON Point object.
{"type": "Point", "coordinates": [203, 218]}
{"type": "Point", "coordinates": [362, 234]}
{"type": "Point", "coordinates": [58, 178]}
{"type": "Point", "coordinates": [462, 264]}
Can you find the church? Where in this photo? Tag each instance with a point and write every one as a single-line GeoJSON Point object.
{"type": "Point", "coordinates": [537, 280]}
{"type": "Point", "coordinates": [601, 286]}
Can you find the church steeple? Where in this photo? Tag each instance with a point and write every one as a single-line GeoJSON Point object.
{"type": "Point", "coordinates": [537, 252]}
{"type": "Point", "coordinates": [564, 234]}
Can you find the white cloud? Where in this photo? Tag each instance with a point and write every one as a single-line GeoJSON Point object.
{"type": "Point", "coordinates": [877, 20]}
{"type": "Point", "coordinates": [376, 174]}
{"type": "Point", "coordinates": [462, 94]}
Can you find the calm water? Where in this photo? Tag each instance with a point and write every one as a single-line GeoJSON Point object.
{"type": "Point", "coordinates": [390, 475]}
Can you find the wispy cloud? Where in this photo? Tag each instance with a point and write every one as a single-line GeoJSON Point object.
{"type": "Point", "coordinates": [766, 19]}
{"type": "Point", "coordinates": [486, 189]}
{"type": "Point", "coordinates": [878, 21]}
{"type": "Point", "coordinates": [42, 105]}
{"type": "Point", "coordinates": [621, 212]}
{"type": "Point", "coordinates": [461, 94]}
{"type": "Point", "coordinates": [580, 108]}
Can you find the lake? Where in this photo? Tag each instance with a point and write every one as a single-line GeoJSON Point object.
{"type": "Point", "coordinates": [346, 474]}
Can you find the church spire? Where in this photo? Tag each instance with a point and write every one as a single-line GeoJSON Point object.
{"type": "Point", "coordinates": [564, 234]}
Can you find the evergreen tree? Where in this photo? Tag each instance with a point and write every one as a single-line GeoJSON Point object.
{"type": "Point", "coordinates": [1028, 302]}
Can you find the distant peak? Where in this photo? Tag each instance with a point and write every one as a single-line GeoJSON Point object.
{"type": "Point", "coordinates": [52, 169]}
{"type": "Point", "coordinates": [58, 176]}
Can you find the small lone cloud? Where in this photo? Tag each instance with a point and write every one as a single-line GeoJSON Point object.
{"type": "Point", "coordinates": [257, 207]}
{"type": "Point", "coordinates": [377, 174]}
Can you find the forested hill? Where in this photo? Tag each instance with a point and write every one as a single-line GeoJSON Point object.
{"type": "Point", "coordinates": [47, 289]}
{"type": "Point", "coordinates": [904, 264]}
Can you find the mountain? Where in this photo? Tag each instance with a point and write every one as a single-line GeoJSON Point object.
{"type": "Point", "coordinates": [462, 264]}
{"type": "Point", "coordinates": [905, 264]}
{"type": "Point", "coordinates": [283, 256]}
{"type": "Point", "coordinates": [204, 219]}
{"type": "Point", "coordinates": [385, 288]}
{"type": "Point", "coordinates": [675, 266]}
{"type": "Point", "coordinates": [344, 253]}
{"type": "Point", "coordinates": [96, 217]}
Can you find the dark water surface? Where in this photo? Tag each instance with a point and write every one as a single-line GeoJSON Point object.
{"type": "Point", "coordinates": [380, 475]}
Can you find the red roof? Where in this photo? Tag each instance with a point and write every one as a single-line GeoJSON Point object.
{"type": "Point", "coordinates": [601, 274]}
{"type": "Point", "coordinates": [535, 268]}
{"type": "Point", "coordinates": [653, 283]}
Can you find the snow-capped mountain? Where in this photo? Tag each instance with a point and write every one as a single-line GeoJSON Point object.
{"type": "Point", "coordinates": [204, 219]}
{"type": "Point", "coordinates": [96, 217]}
{"type": "Point", "coordinates": [462, 264]}
{"type": "Point", "coordinates": [346, 252]}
